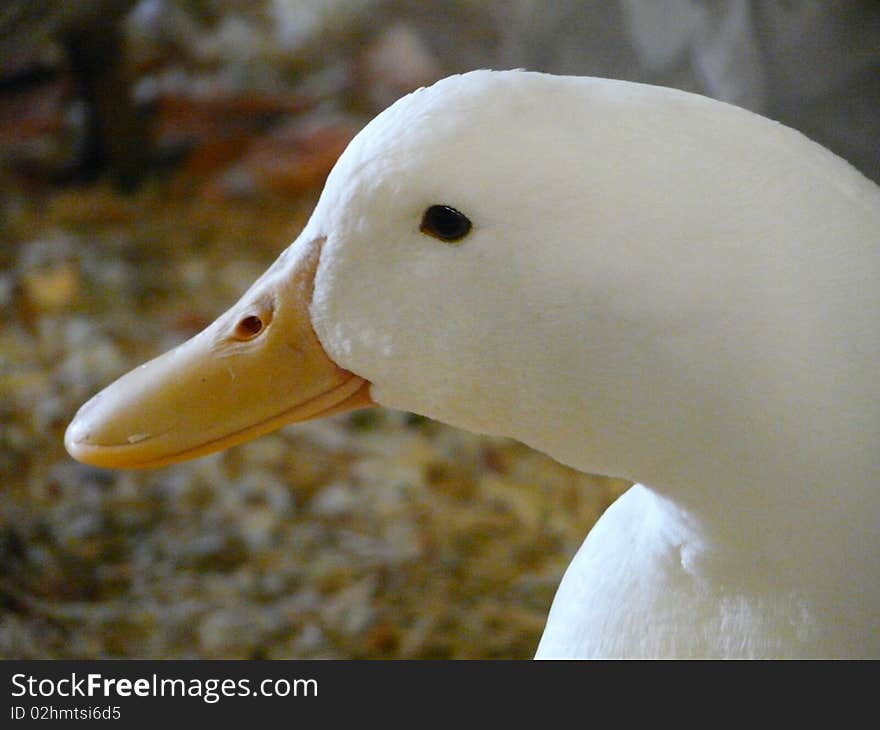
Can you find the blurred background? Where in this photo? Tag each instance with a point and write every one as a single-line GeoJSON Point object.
{"type": "Point", "coordinates": [155, 157]}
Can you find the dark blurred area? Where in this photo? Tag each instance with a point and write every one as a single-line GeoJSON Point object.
{"type": "Point", "coordinates": [110, 85]}
{"type": "Point", "coordinates": [155, 157]}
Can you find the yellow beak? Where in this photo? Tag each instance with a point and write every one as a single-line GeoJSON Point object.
{"type": "Point", "coordinates": [256, 368]}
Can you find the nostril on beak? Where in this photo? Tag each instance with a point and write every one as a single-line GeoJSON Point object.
{"type": "Point", "coordinates": [249, 327]}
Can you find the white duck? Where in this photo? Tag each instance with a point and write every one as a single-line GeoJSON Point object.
{"type": "Point", "coordinates": [639, 282]}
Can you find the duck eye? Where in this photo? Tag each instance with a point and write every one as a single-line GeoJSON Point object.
{"type": "Point", "coordinates": [248, 327]}
{"type": "Point", "coordinates": [445, 223]}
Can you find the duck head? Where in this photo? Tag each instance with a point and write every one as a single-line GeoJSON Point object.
{"type": "Point", "coordinates": [410, 286]}
{"type": "Point", "coordinates": [623, 276]}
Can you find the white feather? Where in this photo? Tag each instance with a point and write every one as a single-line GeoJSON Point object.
{"type": "Point", "coordinates": [656, 286]}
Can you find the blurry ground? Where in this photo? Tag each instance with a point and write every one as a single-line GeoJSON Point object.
{"type": "Point", "coordinates": [375, 534]}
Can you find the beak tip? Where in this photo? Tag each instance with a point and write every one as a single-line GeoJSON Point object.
{"type": "Point", "coordinates": [78, 444]}
{"type": "Point", "coordinates": [76, 437]}
{"type": "Point", "coordinates": [79, 435]}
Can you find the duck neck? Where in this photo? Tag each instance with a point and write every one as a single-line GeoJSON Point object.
{"type": "Point", "coordinates": [800, 501]}
{"type": "Point", "coordinates": [802, 532]}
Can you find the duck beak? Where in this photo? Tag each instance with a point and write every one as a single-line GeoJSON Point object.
{"type": "Point", "coordinates": [256, 368]}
